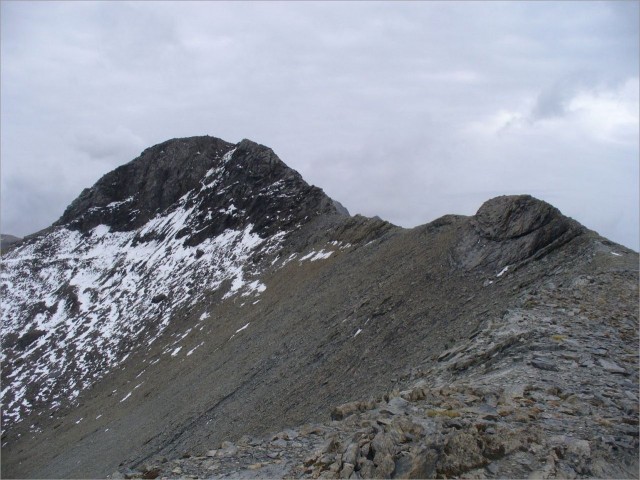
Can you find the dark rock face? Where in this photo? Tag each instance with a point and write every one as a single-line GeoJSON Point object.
{"type": "Point", "coordinates": [146, 185]}
{"type": "Point", "coordinates": [230, 185]}
{"type": "Point", "coordinates": [508, 230]}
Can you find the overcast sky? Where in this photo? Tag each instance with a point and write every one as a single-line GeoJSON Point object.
{"type": "Point", "coordinates": [404, 110]}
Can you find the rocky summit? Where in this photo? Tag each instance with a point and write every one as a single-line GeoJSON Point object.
{"type": "Point", "coordinates": [203, 312]}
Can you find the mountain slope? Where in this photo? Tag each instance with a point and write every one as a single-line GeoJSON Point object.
{"type": "Point", "coordinates": [127, 253]}
{"type": "Point", "coordinates": [204, 291]}
{"type": "Point", "coordinates": [7, 240]}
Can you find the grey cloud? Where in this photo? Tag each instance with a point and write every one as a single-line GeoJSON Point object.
{"type": "Point", "coordinates": [553, 101]}
{"type": "Point", "coordinates": [375, 102]}
{"type": "Point", "coordinates": [111, 145]}
{"type": "Point", "coordinates": [32, 204]}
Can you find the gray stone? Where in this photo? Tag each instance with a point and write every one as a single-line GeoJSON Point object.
{"type": "Point", "coordinates": [611, 366]}
{"type": "Point", "coordinates": [544, 364]}
{"type": "Point", "coordinates": [492, 468]}
{"type": "Point", "coordinates": [351, 453]}
{"type": "Point", "coordinates": [384, 465]}
{"type": "Point", "coordinates": [395, 406]}
{"type": "Point", "coordinates": [347, 470]}
{"type": "Point", "coordinates": [228, 451]}
{"type": "Point", "coordinates": [279, 443]}
{"type": "Point", "coordinates": [366, 468]}
{"type": "Point", "coordinates": [417, 464]}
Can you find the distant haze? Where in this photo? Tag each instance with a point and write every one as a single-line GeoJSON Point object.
{"type": "Point", "coordinates": [403, 110]}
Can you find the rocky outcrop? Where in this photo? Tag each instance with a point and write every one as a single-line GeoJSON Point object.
{"type": "Point", "coordinates": [509, 230]}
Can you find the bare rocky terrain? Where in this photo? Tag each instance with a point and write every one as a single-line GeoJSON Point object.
{"type": "Point", "coordinates": [230, 320]}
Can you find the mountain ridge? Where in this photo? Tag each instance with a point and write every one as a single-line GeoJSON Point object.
{"type": "Point", "coordinates": [264, 316]}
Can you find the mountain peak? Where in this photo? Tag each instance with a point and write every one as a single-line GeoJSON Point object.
{"type": "Point", "coordinates": [228, 184]}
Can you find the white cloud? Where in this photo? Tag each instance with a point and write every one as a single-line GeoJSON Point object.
{"type": "Point", "coordinates": [609, 115]}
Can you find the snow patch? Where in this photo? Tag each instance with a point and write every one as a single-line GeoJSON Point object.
{"type": "Point", "coordinates": [242, 328]}
{"type": "Point", "coordinates": [194, 349]}
{"type": "Point", "coordinates": [314, 256]}
{"type": "Point", "coordinates": [503, 271]}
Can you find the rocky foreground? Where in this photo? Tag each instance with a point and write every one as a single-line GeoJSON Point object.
{"type": "Point", "coordinates": [548, 390]}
